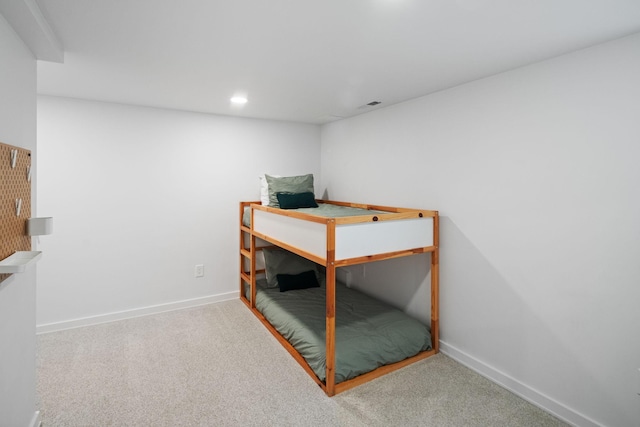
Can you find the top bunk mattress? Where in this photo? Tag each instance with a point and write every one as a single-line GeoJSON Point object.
{"type": "Point", "coordinates": [369, 332]}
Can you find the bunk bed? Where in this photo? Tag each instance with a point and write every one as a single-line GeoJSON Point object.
{"type": "Point", "coordinates": [304, 321]}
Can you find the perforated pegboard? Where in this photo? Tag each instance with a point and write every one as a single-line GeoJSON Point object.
{"type": "Point", "coordinates": [14, 185]}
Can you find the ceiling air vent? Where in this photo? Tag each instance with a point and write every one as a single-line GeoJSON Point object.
{"type": "Point", "coordinates": [370, 104]}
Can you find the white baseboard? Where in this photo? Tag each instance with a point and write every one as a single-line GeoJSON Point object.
{"type": "Point", "coordinates": [518, 388]}
{"type": "Point", "coordinates": [36, 421]}
{"type": "Point", "coordinates": [137, 312]}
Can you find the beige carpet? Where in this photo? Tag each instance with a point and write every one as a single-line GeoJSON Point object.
{"type": "Point", "coordinates": [216, 365]}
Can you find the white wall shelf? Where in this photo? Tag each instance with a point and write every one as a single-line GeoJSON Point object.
{"type": "Point", "coordinates": [18, 262]}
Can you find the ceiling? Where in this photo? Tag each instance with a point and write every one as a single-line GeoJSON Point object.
{"type": "Point", "coordinates": [307, 61]}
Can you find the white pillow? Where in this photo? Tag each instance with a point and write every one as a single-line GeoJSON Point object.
{"type": "Point", "coordinates": [264, 189]}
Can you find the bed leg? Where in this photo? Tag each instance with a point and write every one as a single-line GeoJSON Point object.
{"type": "Point", "coordinates": [330, 331]}
{"type": "Point", "coordinates": [435, 286]}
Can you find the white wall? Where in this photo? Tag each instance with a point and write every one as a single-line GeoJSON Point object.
{"type": "Point", "coordinates": [17, 293]}
{"type": "Point", "coordinates": [535, 174]}
{"type": "Point", "coordinates": [139, 196]}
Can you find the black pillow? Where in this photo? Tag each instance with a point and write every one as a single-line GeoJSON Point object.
{"type": "Point", "coordinates": [292, 282]}
{"type": "Point", "coordinates": [297, 200]}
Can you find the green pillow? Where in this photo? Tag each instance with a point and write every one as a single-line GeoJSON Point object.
{"type": "Point", "coordinates": [279, 261]}
{"type": "Point", "coordinates": [297, 200]}
{"type": "Point", "coordinates": [292, 282]}
{"type": "Point", "coordinates": [288, 184]}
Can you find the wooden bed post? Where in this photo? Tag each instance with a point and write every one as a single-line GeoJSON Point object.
{"type": "Point", "coordinates": [330, 331]}
{"type": "Point", "coordinates": [252, 261]}
{"type": "Point", "coordinates": [435, 286]}
{"type": "Point", "coordinates": [253, 270]}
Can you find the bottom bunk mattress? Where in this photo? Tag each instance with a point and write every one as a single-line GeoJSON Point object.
{"type": "Point", "coordinates": [369, 333]}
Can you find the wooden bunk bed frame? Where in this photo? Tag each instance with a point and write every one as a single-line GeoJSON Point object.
{"type": "Point", "coordinates": [325, 254]}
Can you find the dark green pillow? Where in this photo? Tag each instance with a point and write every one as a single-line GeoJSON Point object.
{"type": "Point", "coordinates": [278, 261]}
{"type": "Point", "coordinates": [297, 200]}
{"type": "Point", "coordinates": [292, 282]}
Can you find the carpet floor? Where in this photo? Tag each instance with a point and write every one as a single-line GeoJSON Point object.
{"type": "Point", "coordinates": [216, 365]}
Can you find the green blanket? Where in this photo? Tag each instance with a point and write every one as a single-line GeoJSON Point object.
{"type": "Point", "coordinates": [369, 333]}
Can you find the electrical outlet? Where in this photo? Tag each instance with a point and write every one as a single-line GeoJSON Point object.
{"type": "Point", "coordinates": [199, 271]}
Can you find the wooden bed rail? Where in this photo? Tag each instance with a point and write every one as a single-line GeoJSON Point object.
{"type": "Point", "coordinates": [388, 213]}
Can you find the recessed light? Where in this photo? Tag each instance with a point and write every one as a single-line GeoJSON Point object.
{"type": "Point", "coordinates": [239, 100]}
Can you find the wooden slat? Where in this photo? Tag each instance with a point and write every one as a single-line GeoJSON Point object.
{"type": "Point", "coordinates": [379, 217]}
{"type": "Point", "coordinates": [382, 370]}
{"type": "Point", "coordinates": [252, 263]}
{"type": "Point", "coordinates": [380, 257]}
